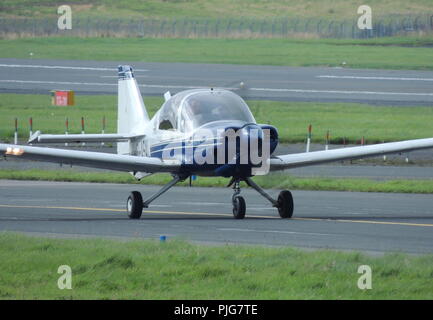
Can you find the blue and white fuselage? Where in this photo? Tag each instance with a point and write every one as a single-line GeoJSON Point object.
{"type": "Point", "coordinates": [193, 125]}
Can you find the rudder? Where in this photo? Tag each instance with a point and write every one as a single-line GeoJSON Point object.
{"type": "Point", "coordinates": [132, 117]}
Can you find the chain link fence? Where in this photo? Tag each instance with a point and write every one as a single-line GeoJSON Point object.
{"type": "Point", "coordinates": [217, 28]}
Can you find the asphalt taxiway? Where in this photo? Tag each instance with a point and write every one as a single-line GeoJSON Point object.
{"type": "Point", "coordinates": [324, 84]}
{"type": "Point", "coordinates": [369, 222]}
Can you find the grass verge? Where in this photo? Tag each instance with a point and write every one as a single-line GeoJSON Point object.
{"type": "Point", "coordinates": [344, 120]}
{"type": "Point", "coordinates": [384, 53]}
{"type": "Point", "coordinates": [157, 9]}
{"type": "Point", "coordinates": [272, 181]}
{"type": "Point", "coordinates": [107, 269]}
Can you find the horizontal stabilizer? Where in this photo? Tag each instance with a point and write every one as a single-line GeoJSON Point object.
{"type": "Point", "coordinates": [37, 137]}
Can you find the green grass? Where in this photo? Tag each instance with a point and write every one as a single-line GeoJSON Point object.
{"type": "Point", "coordinates": [144, 269]}
{"type": "Point", "coordinates": [285, 52]}
{"type": "Point", "coordinates": [326, 9]}
{"type": "Point", "coordinates": [349, 120]}
{"type": "Point", "coordinates": [273, 181]}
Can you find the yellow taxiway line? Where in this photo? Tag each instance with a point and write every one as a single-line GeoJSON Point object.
{"type": "Point", "coordinates": [220, 214]}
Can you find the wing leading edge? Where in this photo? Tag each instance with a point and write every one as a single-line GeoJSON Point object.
{"type": "Point", "coordinates": [295, 160]}
{"type": "Point", "coordinates": [37, 137]}
{"type": "Point", "coordinates": [90, 159]}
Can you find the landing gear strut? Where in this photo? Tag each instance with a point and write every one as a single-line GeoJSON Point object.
{"type": "Point", "coordinates": [135, 203]}
{"type": "Point", "coordinates": [284, 203]}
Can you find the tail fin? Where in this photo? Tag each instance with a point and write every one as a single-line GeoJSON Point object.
{"type": "Point", "coordinates": [132, 117]}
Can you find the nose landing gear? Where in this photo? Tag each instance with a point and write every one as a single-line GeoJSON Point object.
{"type": "Point", "coordinates": [239, 206]}
{"type": "Point", "coordinates": [284, 203]}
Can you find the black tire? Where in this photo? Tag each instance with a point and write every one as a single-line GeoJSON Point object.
{"type": "Point", "coordinates": [134, 205]}
{"type": "Point", "coordinates": [285, 204]}
{"type": "Point", "coordinates": [239, 207]}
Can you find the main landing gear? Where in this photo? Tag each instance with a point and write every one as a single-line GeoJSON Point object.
{"type": "Point", "coordinates": [135, 203]}
{"type": "Point", "coordinates": [284, 203]}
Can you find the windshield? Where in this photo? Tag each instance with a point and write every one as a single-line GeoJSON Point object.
{"type": "Point", "coordinates": [208, 106]}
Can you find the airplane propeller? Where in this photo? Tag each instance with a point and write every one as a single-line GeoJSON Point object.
{"type": "Point", "coordinates": [239, 87]}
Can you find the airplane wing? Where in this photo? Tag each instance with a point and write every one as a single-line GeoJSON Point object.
{"type": "Point", "coordinates": [295, 160]}
{"type": "Point", "coordinates": [91, 159]}
{"type": "Point", "coordinates": [37, 137]}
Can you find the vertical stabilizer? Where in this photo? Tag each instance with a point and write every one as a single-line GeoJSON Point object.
{"type": "Point", "coordinates": [132, 117]}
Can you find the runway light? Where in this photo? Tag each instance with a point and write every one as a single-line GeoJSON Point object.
{"type": "Point", "coordinates": [162, 238]}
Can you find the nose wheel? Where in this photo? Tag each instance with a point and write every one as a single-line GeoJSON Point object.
{"type": "Point", "coordinates": [239, 206]}
{"type": "Point", "coordinates": [284, 203]}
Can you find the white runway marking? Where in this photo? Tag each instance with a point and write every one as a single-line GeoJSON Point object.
{"type": "Point", "coordinates": [61, 67]}
{"type": "Point", "coordinates": [135, 76]}
{"type": "Point", "coordinates": [346, 92]}
{"type": "Point", "coordinates": [430, 94]}
{"type": "Point", "coordinates": [375, 78]}
{"type": "Point", "coordinates": [275, 231]}
{"type": "Point", "coordinates": [110, 84]}
{"type": "Point", "coordinates": [60, 82]}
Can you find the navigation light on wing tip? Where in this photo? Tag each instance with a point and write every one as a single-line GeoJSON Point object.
{"type": "Point", "coordinates": [14, 151]}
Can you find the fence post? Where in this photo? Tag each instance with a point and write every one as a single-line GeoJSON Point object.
{"type": "Point", "coordinates": [16, 131]}
{"type": "Point", "coordinates": [327, 140]}
{"type": "Point", "coordinates": [342, 30]}
{"type": "Point", "coordinates": [217, 28]}
{"type": "Point", "coordinates": [318, 27]}
{"type": "Point", "coordinates": [31, 127]}
{"type": "Point", "coordinates": [82, 129]}
{"type": "Point", "coordinates": [331, 24]}
{"type": "Point", "coordinates": [308, 139]}
{"type": "Point", "coordinates": [103, 128]}
{"type": "Point", "coordinates": [66, 129]}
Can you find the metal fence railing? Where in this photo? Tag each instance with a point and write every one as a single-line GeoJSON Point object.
{"type": "Point", "coordinates": [216, 28]}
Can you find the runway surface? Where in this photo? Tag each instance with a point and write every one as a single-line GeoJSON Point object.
{"type": "Point", "coordinates": [377, 87]}
{"type": "Point", "coordinates": [370, 222]}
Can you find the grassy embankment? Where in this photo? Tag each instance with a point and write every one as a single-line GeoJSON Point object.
{"type": "Point", "coordinates": [156, 9]}
{"type": "Point", "coordinates": [388, 53]}
{"type": "Point", "coordinates": [107, 269]}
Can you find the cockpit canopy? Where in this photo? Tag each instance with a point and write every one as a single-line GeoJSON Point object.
{"type": "Point", "coordinates": [191, 109]}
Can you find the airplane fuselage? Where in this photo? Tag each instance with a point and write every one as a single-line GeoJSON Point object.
{"type": "Point", "coordinates": [207, 151]}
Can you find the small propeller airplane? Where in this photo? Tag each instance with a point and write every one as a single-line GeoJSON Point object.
{"type": "Point", "coordinates": [169, 143]}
